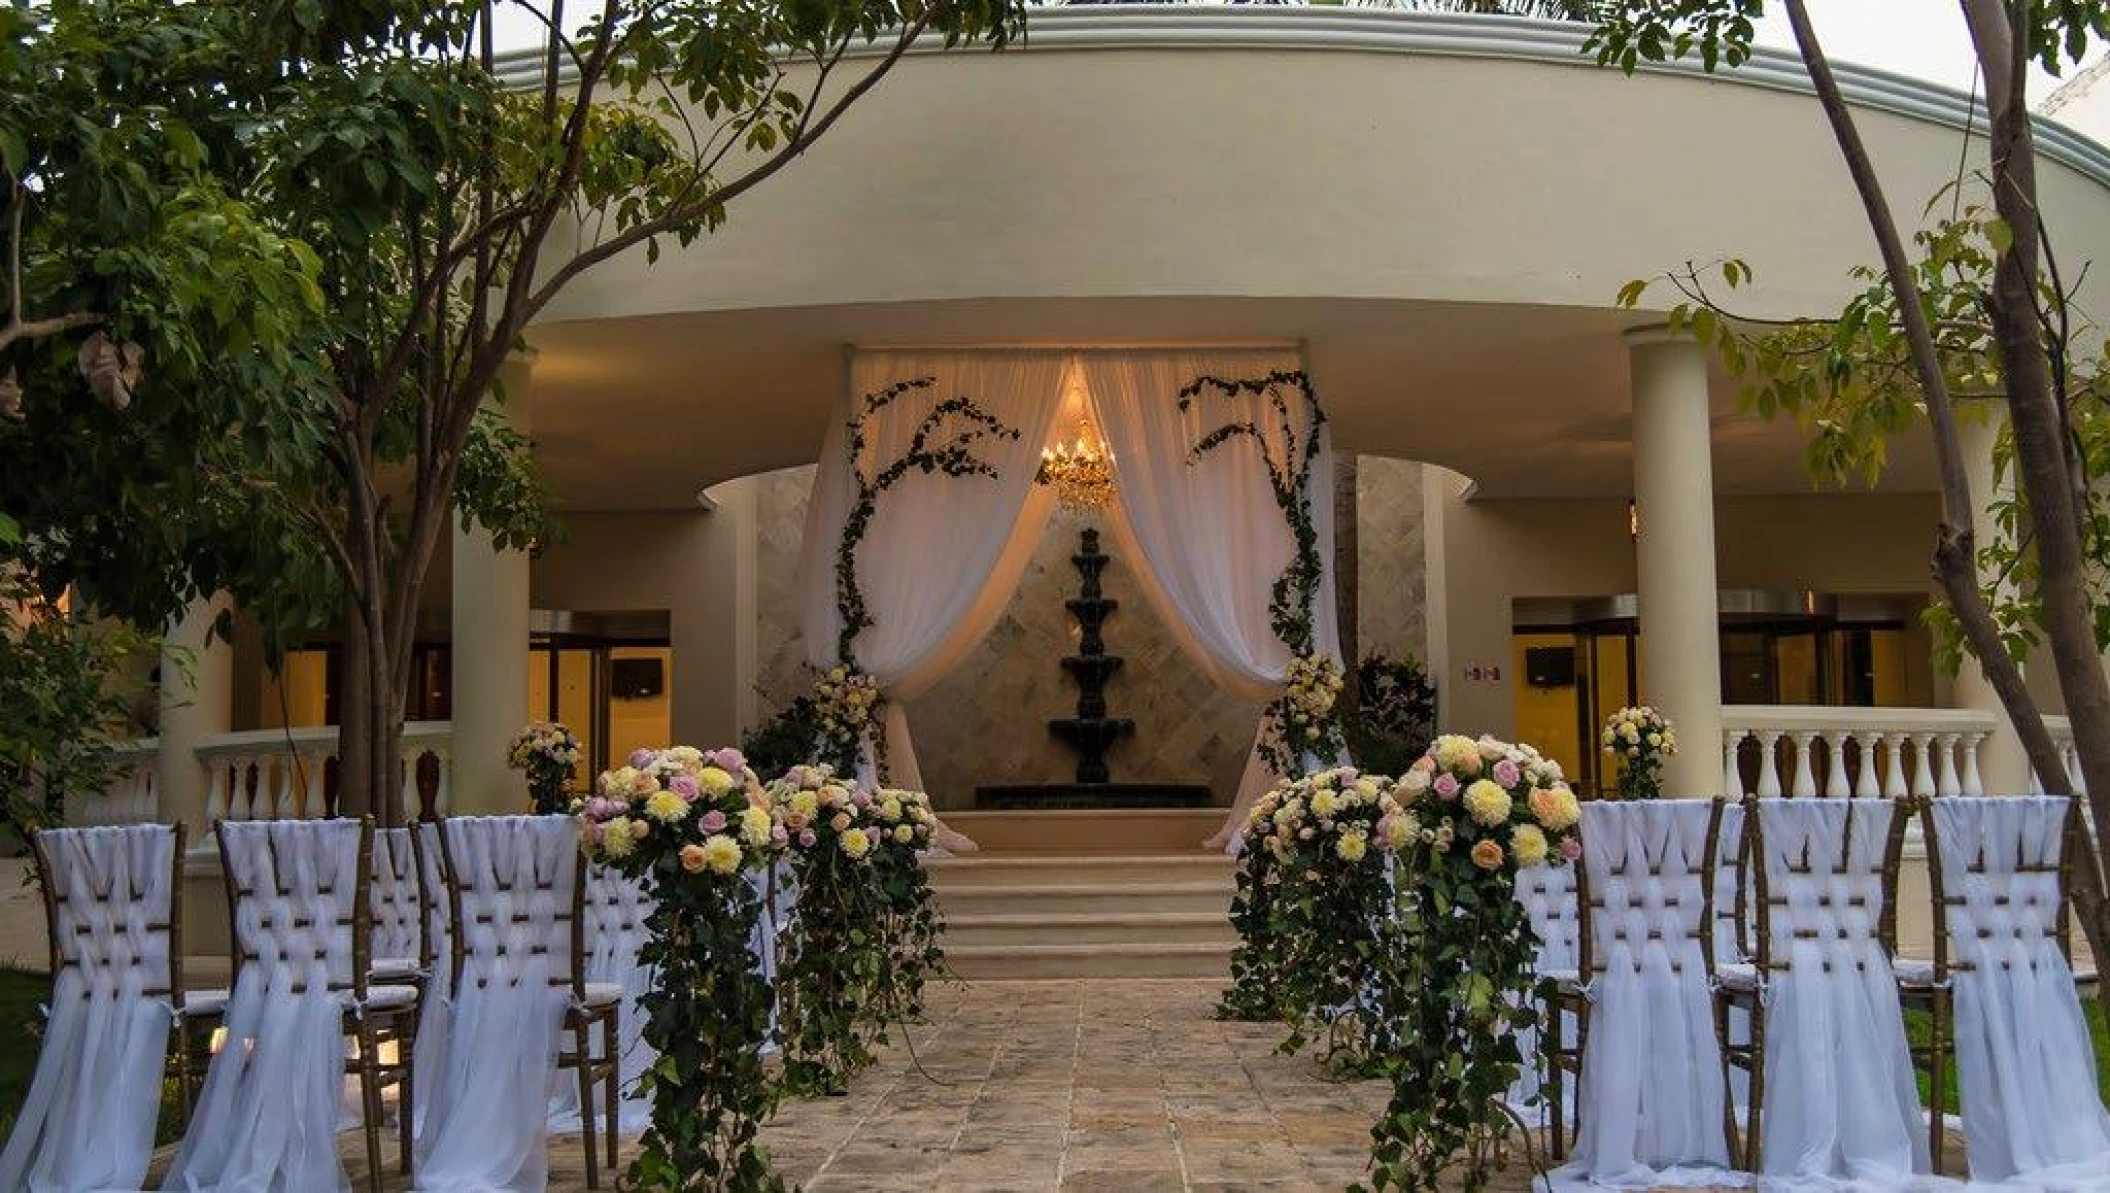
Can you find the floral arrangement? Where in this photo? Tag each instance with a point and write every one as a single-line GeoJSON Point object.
{"type": "Point", "coordinates": [1641, 738]}
{"type": "Point", "coordinates": [1303, 719]}
{"type": "Point", "coordinates": [910, 925]}
{"type": "Point", "coordinates": [846, 701]}
{"type": "Point", "coordinates": [832, 971]}
{"type": "Point", "coordinates": [685, 821]}
{"type": "Point", "coordinates": [1331, 837]}
{"type": "Point", "coordinates": [548, 752]}
{"type": "Point", "coordinates": [1457, 978]}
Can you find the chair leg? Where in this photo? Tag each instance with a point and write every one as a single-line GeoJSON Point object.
{"type": "Point", "coordinates": [1754, 1119]}
{"type": "Point", "coordinates": [406, 1083]}
{"type": "Point", "coordinates": [612, 1051]}
{"type": "Point", "coordinates": [370, 1098]}
{"type": "Point", "coordinates": [1937, 1083]}
{"type": "Point", "coordinates": [580, 1040]}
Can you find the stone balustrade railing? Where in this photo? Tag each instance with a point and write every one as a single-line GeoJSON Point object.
{"type": "Point", "coordinates": [270, 774]}
{"type": "Point", "coordinates": [1773, 750]}
{"type": "Point", "coordinates": [2062, 737]}
{"type": "Point", "coordinates": [134, 789]}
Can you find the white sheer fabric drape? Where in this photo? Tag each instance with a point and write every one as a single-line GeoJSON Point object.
{"type": "Point", "coordinates": [1204, 536]}
{"type": "Point", "coordinates": [1840, 1103]}
{"type": "Point", "coordinates": [942, 554]}
{"type": "Point", "coordinates": [616, 908]}
{"type": "Point", "coordinates": [2031, 1111]}
{"type": "Point", "coordinates": [1551, 908]}
{"type": "Point", "coordinates": [486, 1121]}
{"type": "Point", "coordinates": [1651, 1093]}
{"type": "Point", "coordinates": [88, 1120]}
{"type": "Point", "coordinates": [266, 1120]}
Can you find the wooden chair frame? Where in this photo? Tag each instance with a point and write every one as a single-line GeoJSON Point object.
{"type": "Point", "coordinates": [603, 1069]}
{"type": "Point", "coordinates": [370, 1027]}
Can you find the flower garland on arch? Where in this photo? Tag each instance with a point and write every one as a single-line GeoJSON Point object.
{"type": "Point", "coordinates": [943, 443]}
{"type": "Point", "coordinates": [1305, 719]}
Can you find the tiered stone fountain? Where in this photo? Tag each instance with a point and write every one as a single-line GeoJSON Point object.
{"type": "Point", "coordinates": [1091, 732]}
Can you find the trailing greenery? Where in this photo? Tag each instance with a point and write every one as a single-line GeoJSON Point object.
{"type": "Point", "coordinates": [1255, 994]}
{"type": "Point", "coordinates": [910, 923]}
{"type": "Point", "coordinates": [788, 738]}
{"type": "Point", "coordinates": [1395, 716]}
{"type": "Point", "coordinates": [682, 821]}
{"type": "Point", "coordinates": [1304, 721]}
{"type": "Point", "coordinates": [832, 962]}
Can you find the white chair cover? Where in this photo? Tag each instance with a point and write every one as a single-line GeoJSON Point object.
{"type": "Point", "coordinates": [393, 899]}
{"type": "Point", "coordinates": [616, 907]}
{"type": "Point", "coordinates": [88, 1121]}
{"type": "Point", "coordinates": [1551, 908]}
{"type": "Point", "coordinates": [266, 1120]}
{"type": "Point", "coordinates": [1840, 1103]}
{"type": "Point", "coordinates": [2031, 1112]}
{"type": "Point", "coordinates": [1731, 943]}
{"type": "Point", "coordinates": [486, 1118]}
{"type": "Point", "coordinates": [1651, 1090]}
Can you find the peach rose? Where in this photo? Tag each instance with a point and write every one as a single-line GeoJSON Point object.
{"type": "Point", "coordinates": [692, 858]}
{"type": "Point", "coordinates": [1487, 854]}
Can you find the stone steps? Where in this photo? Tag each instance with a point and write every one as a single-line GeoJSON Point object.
{"type": "Point", "coordinates": [1024, 916]}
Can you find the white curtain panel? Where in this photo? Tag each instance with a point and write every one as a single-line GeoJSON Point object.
{"type": "Point", "coordinates": [1651, 1094]}
{"type": "Point", "coordinates": [266, 1120]}
{"type": "Point", "coordinates": [616, 908]}
{"type": "Point", "coordinates": [88, 1120]}
{"type": "Point", "coordinates": [486, 1119]}
{"type": "Point", "coordinates": [2031, 1112]}
{"type": "Point", "coordinates": [1204, 536]}
{"type": "Point", "coordinates": [942, 554]}
{"type": "Point", "coordinates": [1840, 1103]}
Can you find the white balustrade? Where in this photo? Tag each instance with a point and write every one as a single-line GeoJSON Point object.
{"type": "Point", "coordinates": [264, 774]}
{"type": "Point", "coordinates": [2062, 736]}
{"type": "Point", "coordinates": [1866, 752]}
{"type": "Point", "coordinates": [130, 798]}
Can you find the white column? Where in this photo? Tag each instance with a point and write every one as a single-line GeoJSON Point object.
{"type": "Point", "coordinates": [2002, 764]}
{"type": "Point", "coordinates": [1681, 670]}
{"type": "Point", "coordinates": [490, 651]}
{"type": "Point", "coordinates": [197, 702]}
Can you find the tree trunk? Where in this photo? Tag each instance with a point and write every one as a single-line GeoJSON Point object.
{"type": "Point", "coordinates": [354, 712]}
{"type": "Point", "coordinates": [2044, 465]}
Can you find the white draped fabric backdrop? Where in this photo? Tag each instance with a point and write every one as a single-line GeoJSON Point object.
{"type": "Point", "coordinates": [943, 555]}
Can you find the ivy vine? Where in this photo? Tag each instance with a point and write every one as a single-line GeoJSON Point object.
{"type": "Point", "coordinates": [1255, 994]}
{"type": "Point", "coordinates": [1288, 455]}
{"type": "Point", "coordinates": [832, 969]}
{"type": "Point", "coordinates": [943, 443]}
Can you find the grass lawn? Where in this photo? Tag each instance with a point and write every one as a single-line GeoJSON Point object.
{"type": "Point", "coordinates": [1917, 1028]}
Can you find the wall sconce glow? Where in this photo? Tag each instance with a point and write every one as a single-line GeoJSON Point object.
{"type": "Point", "coordinates": [1633, 520]}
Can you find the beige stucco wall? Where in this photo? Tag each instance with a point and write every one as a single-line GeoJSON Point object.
{"type": "Point", "coordinates": [1303, 165]}
{"type": "Point", "coordinates": [699, 567]}
{"type": "Point", "coordinates": [1498, 551]}
{"type": "Point", "coordinates": [986, 722]}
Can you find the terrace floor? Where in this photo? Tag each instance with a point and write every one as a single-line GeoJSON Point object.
{"type": "Point", "coordinates": [1123, 1086]}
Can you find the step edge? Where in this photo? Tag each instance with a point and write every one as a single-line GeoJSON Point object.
{"type": "Point", "coordinates": [1179, 948]}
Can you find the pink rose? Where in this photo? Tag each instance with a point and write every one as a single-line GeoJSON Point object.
{"type": "Point", "coordinates": [1446, 786]}
{"type": "Point", "coordinates": [642, 757]}
{"type": "Point", "coordinates": [728, 760]}
{"type": "Point", "coordinates": [1506, 773]}
{"type": "Point", "coordinates": [862, 799]}
{"type": "Point", "coordinates": [1572, 848]}
{"type": "Point", "coordinates": [779, 834]}
{"type": "Point", "coordinates": [685, 787]}
{"type": "Point", "coordinates": [713, 821]}
{"type": "Point", "coordinates": [806, 838]}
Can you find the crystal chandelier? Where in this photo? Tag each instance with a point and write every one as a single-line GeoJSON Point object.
{"type": "Point", "coordinates": [1082, 474]}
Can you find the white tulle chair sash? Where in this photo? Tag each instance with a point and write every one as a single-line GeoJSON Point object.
{"type": "Point", "coordinates": [1840, 1102]}
{"type": "Point", "coordinates": [88, 1119]}
{"type": "Point", "coordinates": [2031, 1110]}
{"type": "Point", "coordinates": [393, 898]}
{"type": "Point", "coordinates": [1651, 1093]}
{"type": "Point", "coordinates": [616, 908]}
{"type": "Point", "coordinates": [1553, 911]}
{"type": "Point", "coordinates": [512, 882]}
{"type": "Point", "coordinates": [267, 1117]}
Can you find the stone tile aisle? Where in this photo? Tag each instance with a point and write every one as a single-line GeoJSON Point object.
{"type": "Point", "coordinates": [1117, 1086]}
